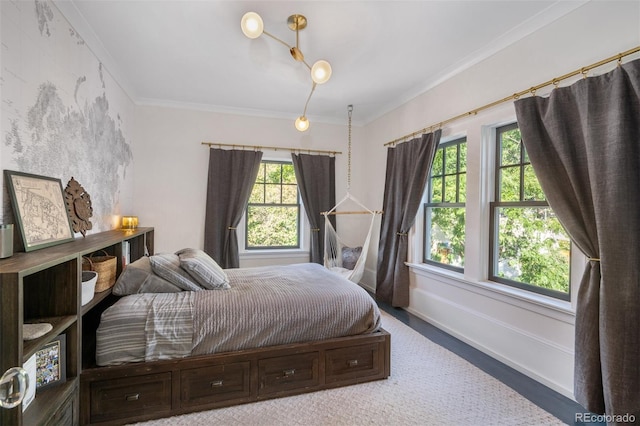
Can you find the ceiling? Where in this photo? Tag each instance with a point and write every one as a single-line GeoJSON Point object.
{"type": "Point", "coordinates": [192, 54]}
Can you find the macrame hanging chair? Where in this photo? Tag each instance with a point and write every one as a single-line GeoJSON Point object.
{"type": "Point", "coordinates": [338, 257]}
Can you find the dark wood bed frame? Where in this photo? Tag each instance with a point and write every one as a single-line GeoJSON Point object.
{"type": "Point", "coordinates": [144, 391]}
{"type": "Point", "coordinates": [150, 390]}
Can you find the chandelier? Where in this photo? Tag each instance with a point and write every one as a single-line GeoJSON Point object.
{"type": "Point", "coordinates": [253, 27]}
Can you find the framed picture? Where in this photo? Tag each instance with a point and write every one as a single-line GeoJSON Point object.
{"type": "Point", "coordinates": [39, 208]}
{"type": "Point", "coordinates": [51, 363]}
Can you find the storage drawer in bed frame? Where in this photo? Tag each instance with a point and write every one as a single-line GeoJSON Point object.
{"type": "Point", "coordinates": [281, 374]}
{"type": "Point", "coordinates": [116, 398]}
{"type": "Point", "coordinates": [215, 384]}
{"type": "Point", "coordinates": [143, 391]}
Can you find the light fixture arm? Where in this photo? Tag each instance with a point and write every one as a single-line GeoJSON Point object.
{"type": "Point", "coordinates": [277, 39]}
{"type": "Point", "coordinates": [306, 104]}
{"type": "Point", "coordinates": [299, 58]}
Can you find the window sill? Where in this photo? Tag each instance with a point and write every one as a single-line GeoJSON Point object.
{"type": "Point", "coordinates": [274, 254]}
{"type": "Point", "coordinates": [545, 305]}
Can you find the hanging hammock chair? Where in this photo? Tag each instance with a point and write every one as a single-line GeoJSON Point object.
{"type": "Point", "coordinates": [338, 256]}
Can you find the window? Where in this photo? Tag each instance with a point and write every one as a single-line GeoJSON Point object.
{"type": "Point", "coordinates": [529, 247]}
{"type": "Point", "coordinates": [273, 212]}
{"type": "Point", "coordinates": [444, 211]}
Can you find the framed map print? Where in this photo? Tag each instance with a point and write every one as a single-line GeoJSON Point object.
{"type": "Point", "coordinates": [39, 208]}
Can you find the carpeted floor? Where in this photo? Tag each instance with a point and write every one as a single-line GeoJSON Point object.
{"type": "Point", "coordinates": [428, 386]}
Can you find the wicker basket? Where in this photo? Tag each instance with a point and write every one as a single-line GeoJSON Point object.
{"type": "Point", "coordinates": [105, 266]}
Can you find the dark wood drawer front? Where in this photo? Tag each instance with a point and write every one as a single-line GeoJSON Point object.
{"type": "Point", "coordinates": [66, 415]}
{"type": "Point", "coordinates": [285, 373]}
{"type": "Point", "coordinates": [355, 362]}
{"type": "Point", "coordinates": [213, 384]}
{"type": "Point", "coordinates": [130, 396]}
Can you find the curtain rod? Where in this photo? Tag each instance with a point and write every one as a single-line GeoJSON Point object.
{"type": "Point", "coordinates": [273, 148]}
{"type": "Point", "coordinates": [515, 96]}
{"type": "Point", "coordinates": [353, 212]}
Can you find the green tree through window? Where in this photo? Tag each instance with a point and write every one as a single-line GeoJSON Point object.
{"type": "Point", "coordinates": [529, 247]}
{"type": "Point", "coordinates": [444, 211]}
{"type": "Point", "coordinates": [273, 211]}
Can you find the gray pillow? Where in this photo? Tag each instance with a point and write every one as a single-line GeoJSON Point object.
{"type": "Point", "coordinates": [167, 265]}
{"type": "Point", "coordinates": [138, 277]}
{"type": "Point", "coordinates": [203, 269]}
{"type": "Point", "coordinates": [350, 256]}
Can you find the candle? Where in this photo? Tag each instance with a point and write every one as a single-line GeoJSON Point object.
{"type": "Point", "coordinates": [129, 222]}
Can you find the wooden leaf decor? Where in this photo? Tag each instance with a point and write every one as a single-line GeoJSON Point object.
{"type": "Point", "coordinates": [78, 203]}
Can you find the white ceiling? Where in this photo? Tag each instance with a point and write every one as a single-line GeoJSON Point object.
{"type": "Point", "coordinates": [187, 53]}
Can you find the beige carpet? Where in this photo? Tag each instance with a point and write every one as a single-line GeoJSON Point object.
{"type": "Point", "coordinates": [428, 386]}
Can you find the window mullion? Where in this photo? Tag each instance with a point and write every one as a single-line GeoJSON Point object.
{"type": "Point", "coordinates": [457, 173]}
{"type": "Point", "coordinates": [522, 151]}
{"type": "Point", "coordinates": [498, 169]}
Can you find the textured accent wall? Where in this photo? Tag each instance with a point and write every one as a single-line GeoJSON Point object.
{"type": "Point", "coordinates": [62, 114]}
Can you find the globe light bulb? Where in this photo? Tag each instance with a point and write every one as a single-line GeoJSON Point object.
{"type": "Point", "coordinates": [252, 25]}
{"type": "Point", "coordinates": [302, 124]}
{"type": "Point", "coordinates": [321, 71]}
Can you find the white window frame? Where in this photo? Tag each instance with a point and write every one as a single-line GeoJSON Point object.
{"type": "Point", "coordinates": [268, 253]}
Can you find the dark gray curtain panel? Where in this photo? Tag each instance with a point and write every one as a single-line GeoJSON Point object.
{"type": "Point", "coordinates": [316, 176]}
{"type": "Point", "coordinates": [232, 174]}
{"type": "Point", "coordinates": [584, 145]}
{"type": "Point", "coordinates": [408, 168]}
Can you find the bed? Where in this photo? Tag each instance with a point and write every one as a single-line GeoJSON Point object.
{"type": "Point", "coordinates": [266, 332]}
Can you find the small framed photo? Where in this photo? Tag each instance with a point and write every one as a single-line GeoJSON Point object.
{"type": "Point", "coordinates": [51, 363]}
{"type": "Point", "coordinates": [40, 209]}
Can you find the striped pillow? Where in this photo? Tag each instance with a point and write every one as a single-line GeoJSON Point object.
{"type": "Point", "coordinates": [203, 269]}
{"type": "Point", "coordinates": [138, 277]}
{"type": "Point", "coordinates": [167, 265]}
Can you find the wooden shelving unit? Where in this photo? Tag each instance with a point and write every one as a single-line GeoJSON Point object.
{"type": "Point", "coordinates": [45, 286]}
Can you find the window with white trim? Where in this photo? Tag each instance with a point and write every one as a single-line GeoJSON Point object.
{"type": "Point", "coordinates": [272, 217]}
{"type": "Point", "coordinates": [444, 211]}
{"type": "Point", "coordinates": [529, 249]}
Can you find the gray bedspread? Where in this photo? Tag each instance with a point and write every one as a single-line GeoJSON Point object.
{"type": "Point", "coordinates": [265, 306]}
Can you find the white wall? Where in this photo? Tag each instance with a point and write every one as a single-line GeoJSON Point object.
{"type": "Point", "coordinates": [171, 174]}
{"type": "Point", "coordinates": [532, 334]}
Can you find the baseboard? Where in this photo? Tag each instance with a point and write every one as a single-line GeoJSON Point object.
{"type": "Point", "coordinates": [368, 280]}
{"type": "Point", "coordinates": [479, 331]}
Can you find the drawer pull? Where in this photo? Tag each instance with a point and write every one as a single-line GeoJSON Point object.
{"type": "Point", "coordinates": [352, 363]}
{"type": "Point", "coordinates": [289, 373]}
{"type": "Point", "coordinates": [216, 384]}
{"type": "Point", "coordinates": [132, 397]}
